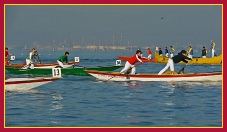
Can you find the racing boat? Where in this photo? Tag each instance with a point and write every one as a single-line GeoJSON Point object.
{"type": "Point", "coordinates": [189, 77]}
{"type": "Point", "coordinates": [23, 84]}
{"type": "Point", "coordinates": [78, 70]}
{"type": "Point", "coordinates": [195, 60]}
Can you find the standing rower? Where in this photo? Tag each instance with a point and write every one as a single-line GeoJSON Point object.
{"type": "Point", "coordinates": [131, 62]}
{"type": "Point", "coordinates": [7, 54]}
{"type": "Point", "coordinates": [29, 61]}
{"type": "Point", "coordinates": [213, 45]}
{"type": "Point", "coordinates": [176, 59]}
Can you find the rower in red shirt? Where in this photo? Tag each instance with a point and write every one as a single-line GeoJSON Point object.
{"type": "Point", "coordinates": [6, 56]}
{"type": "Point", "coordinates": [131, 62]}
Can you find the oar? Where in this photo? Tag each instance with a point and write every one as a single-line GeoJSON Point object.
{"type": "Point", "coordinates": [73, 65]}
{"type": "Point", "coordinates": [124, 71]}
{"type": "Point", "coordinates": [182, 69]}
{"type": "Point", "coordinates": [25, 66]}
{"type": "Point", "coordinates": [38, 61]}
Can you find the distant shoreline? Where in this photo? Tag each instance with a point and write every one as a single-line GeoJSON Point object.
{"type": "Point", "coordinates": [102, 48]}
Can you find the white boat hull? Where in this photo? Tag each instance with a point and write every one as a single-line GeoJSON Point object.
{"type": "Point", "coordinates": [46, 67]}
{"type": "Point", "coordinates": [154, 77]}
{"type": "Point", "coordinates": [23, 84]}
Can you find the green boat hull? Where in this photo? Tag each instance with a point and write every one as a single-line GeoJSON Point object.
{"type": "Point", "coordinates": [80, 71]}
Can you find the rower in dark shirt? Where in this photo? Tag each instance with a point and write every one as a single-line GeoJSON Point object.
{"type": "Point", "coordinates": [176, 59]}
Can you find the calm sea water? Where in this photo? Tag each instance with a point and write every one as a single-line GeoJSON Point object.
{"type": "Point", "coordinates": [84, 101]}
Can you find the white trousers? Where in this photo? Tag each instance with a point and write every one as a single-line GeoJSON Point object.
{"type": "Point", "coordinates": [167, 54]}
{"type": "Point", "coordinates": [213, 51]}
{"type": "Point", "coordinates": [127, 67]}
{"type": "Point", "coordinates": [149, 56]}
{"type": "Point", "coordinates": [190, 56]}
{"type": "Point", "coordinates": [171, 55]}
{"type": "Point", "coordinates": [60, 63]}
{"type": "Point", "coordinates": [169, 64]}
{"type": "Point", "coordinates": [28, 62]}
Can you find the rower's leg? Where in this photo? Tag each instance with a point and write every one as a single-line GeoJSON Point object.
{"type": "Point", "coordinates": [164, 69]}
{"type": "Point", "coordinates": [125, 69]}
{"type": "Point", "coordinates": [133, 71]}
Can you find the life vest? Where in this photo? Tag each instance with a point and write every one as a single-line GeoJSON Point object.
{"type": "Point", "coordinates": [190, 51]}
{"type": "Point", "coordinates": [213, 45]}
{"type": "Point", "coordinates": [172, 50]}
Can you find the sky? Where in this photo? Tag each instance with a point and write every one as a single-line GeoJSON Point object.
{"type": "Point", "coordinates": [118, 25]}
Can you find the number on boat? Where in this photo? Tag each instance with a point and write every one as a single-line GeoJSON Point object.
{"type": "Point", "coordinates": [77, 59]}
{"type": "Point", "coordinates": [12, 58]}
{"type": "Point", "coordinates": [56, 72]}
{"type": "Point", "coordinates": [118, 62]}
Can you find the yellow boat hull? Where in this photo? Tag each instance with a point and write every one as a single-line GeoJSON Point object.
{"type": "Point", "coordinates": [215, 60]}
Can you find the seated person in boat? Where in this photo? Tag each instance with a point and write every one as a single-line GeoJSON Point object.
{"type": "Point", "coordinates": [29, 61]}
{"type": "Point", "coordinates": [149, 53]}
{"type": "Point", "coordinates": [62, 59]}
{"type": "Point", "coordinates": [176, 59]}
{"type": "Point", "coordinates": [160, 51]}
{"type": "Point", "coordinates": [204, 52]}
{"type": "Point", "coordinates": [131, 62]}
{"type": "Point", "coordinates": [7, 54]}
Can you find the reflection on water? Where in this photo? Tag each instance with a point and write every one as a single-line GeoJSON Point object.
{"type": "Point", "coordinates": [56, 102]}
{"type": "Point", "coordinates": [131, 84]}
{"type": "Point", "coordinates": [23, 91]}
{"type": "Point", "coordinates": [56, 105]}
{"type": "Point", "coordinates": [193, 84]}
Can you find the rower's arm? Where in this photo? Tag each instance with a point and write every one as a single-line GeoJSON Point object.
{"type": "Point", "coordinates": [138, 59]}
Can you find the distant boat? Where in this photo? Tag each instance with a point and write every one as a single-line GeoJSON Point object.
{"type": "Point", "coordinates": [53, 50]}
{"type": "Point", "coordinates": [195, 60]}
